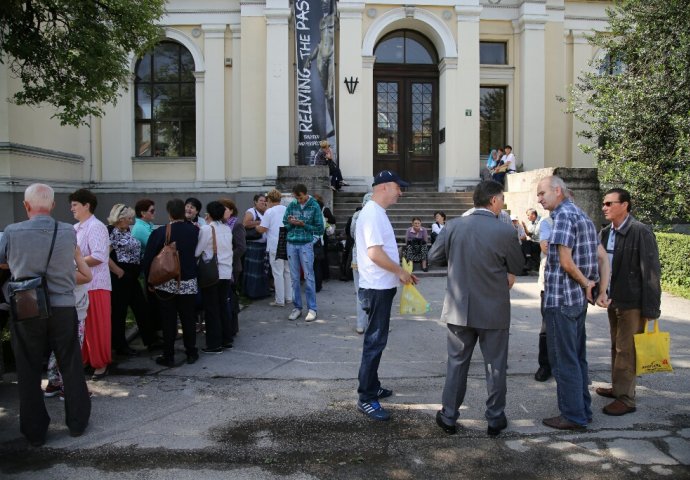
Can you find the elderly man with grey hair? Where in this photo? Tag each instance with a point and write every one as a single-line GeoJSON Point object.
{"type": "Point", "coordinates": [573, 267]}
{"type": "Point", "coordinates": [25, 248]}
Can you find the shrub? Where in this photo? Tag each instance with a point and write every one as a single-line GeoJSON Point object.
{"type": "Point", "coordinates": [674, 252]}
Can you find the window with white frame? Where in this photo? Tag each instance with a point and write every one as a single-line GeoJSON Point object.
{"type": "Point", "coordinates": [165, 103]}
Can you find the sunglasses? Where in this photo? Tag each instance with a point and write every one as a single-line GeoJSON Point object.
{"type": "Point", "coordinates": [608, 204]}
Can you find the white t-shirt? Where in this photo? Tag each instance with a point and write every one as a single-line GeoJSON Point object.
{"type": "Point", "coordinates": [374, 228]}
{"type": "Point", "coordinates": [273, 220]}
{"type": "Point", "coordinates": [510, 161]}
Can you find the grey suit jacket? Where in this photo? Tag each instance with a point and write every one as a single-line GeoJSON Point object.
{"type": "Point", "coordinates": [479, 251]}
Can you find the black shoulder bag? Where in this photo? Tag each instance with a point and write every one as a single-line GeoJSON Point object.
{"type": "Point", "coordinates": [29, 296]}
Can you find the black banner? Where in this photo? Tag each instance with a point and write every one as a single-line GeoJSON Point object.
{"type": "Point", "coordinates": [315, 43]}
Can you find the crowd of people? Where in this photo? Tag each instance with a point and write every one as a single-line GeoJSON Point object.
{"type": "Point", "coordinates": [95, 274]}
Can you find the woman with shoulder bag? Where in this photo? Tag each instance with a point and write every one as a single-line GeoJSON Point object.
{"type": "Point", "coordinates": [176, 296]}
{"type": "Point", "coordinates": [215, 239]}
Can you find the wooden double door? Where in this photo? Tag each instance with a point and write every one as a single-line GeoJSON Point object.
{"type": "Point", "coordinates": [406, 126]}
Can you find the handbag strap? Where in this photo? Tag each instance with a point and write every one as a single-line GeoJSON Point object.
{"type": "Point", "coordinates": [168, 229]}
{"type": "Point", "coordinates": [213, 235]}
{"type": "Point", "coordinates": [52, 245]}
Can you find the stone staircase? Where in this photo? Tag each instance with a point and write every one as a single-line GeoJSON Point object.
{"type": "Point", "coordinates": [411, 204]}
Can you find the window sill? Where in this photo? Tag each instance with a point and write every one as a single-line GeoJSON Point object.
{"type": "Point", "coordinates": [163, 159]}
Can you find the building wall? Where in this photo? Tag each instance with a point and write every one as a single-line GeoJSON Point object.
{"type": "Point", "coordinates": [245, 95]}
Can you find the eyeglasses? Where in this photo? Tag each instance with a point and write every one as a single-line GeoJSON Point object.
{"type": "Point", "coordinates": [151, 210]}
{"type": "Point", "coordinates": [608, 204]}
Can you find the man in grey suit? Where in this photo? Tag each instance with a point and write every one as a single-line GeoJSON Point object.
{"type": "Point", "coordinates": [483, 257]}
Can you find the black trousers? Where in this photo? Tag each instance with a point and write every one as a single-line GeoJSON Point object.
{"type": "Point", "coordinates": [31, 340]}
{"type": "Point", "coordinates": [170, 307]}
{"type": "Point", "coordinates": [234, 309]}
{"type": "Point", "coordinates": [543, 350]}
{"type": "Point", "coordinates": [127, 292]}
{"type": "Point", "coordinates": [218, 328]}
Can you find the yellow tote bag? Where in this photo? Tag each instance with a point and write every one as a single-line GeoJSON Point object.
{"type": "Point", "coordinates": [652, 350]}
{"type": "Point", "coordinates": [412, 302]}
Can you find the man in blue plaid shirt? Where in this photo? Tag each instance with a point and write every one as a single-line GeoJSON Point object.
{"type": "Point", "coordinates": [572, 271]}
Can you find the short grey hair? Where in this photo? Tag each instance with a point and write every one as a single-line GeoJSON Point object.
{"type": "Point", "coordinates": [556, 181]}
{"type": "Point", "coordinates": [530, 211]}
{"type": "Point", "coordinates": [40, 196]}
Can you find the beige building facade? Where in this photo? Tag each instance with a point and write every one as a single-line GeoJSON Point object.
{"type": "Point", "coordinates": [496, 72]}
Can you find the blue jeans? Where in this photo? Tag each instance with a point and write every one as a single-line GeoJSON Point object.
{"type": "Point", "coordinates": [377, 304]}
{"type": "Point", "coordinates": [566, 343]}
{"type": "Point", "coordinates": [302, 257]}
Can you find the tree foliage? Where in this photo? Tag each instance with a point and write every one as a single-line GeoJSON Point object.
{"type": "Point", "coordinates": [636, 103]}
{"type": "Point", "coordinates": [73, 54]}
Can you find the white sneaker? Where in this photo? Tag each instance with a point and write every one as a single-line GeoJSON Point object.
{"type": "Point", "coordinates": [359, 330]}
{"type": "Point", "coordinates": [295, 314]}
{"type": "Point", "coordinates": [311, 316]}
{"type": "Point", "coordinates": [276, 304]}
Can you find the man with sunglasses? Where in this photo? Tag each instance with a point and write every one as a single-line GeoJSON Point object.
{"type": "Point", "coordinates": [634, 293]}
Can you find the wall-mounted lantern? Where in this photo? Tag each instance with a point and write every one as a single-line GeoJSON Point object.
{"type": "Point", "coordinates": [351, 84]}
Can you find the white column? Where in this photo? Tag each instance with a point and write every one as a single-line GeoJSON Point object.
{"type": "Point", "coordinates": [277, 86]}
{"type": "Point", "coordinates": [459, 164]}
{"type": "Point", "coordinates": [212, 168]}
{"type": "Point", "coordinates": [530, 29]}
{"type": "Point", "coordinates": [581, 55]}
{"type": "Point", "coordinates": [366, 84]}
{"type": "Point", "coordinates": [354, 112]}
{"type": "Point", "coordinates": [235, 101]}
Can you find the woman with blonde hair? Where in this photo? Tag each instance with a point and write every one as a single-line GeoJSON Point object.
{"type": "Point", "coordinates": [125, 266]}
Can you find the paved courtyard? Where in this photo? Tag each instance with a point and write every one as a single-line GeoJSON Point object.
{"type": "Point", "coordinates": [281, 404]}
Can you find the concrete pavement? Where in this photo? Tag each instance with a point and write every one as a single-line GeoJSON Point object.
{"type": "Point", "coordinates": [281, 404]}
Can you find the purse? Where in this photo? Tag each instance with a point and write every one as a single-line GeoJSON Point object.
{"type": "Point", "coordinates": [207, 271]}
{"type": "Point", "coordinates": [29, 296]}
{"type": "Point", "coordinates": [281, 250]}
{"type": "Point", "coordinates": [251, 233]}
{"type": "Point", "coordinates": [166, 265]}
{"type": "Point", "coordinates": [652, 350]}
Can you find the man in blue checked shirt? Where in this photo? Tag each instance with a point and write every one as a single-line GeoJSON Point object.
{"type": "Point", "coordinates": [572, 271]}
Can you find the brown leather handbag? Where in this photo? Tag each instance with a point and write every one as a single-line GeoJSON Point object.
{"type": "Point", "coordinates": [166, 265]}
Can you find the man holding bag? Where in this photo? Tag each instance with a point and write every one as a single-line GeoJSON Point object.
{"type": "Point", "coordinates": [25, 247]}
{"type": "Point", "coordinates": [634, 294]}
{"type": "Point", "coordinates": [477, 303]}
{"type": "Point", "coordinates": [379, 275]}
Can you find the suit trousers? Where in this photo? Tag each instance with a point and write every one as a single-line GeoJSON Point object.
{"type": "Point", "coordinates": [31, 339]}
{"type": "Point", "coordinates": [623, 325]}
{"type": "Point", "coordinates": [494, 347]}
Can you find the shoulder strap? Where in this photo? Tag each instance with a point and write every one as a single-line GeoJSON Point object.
{"type": "Point", "coordinates": [213, 234]}
{"type": "Point", "coordinates": [168, 229]}
{"type": "Point", "coordinates": [52, 244]}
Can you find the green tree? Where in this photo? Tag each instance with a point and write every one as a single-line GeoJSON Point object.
{"type": "Point", "coordinates": [636, 104]}
{"type": "Point", "coordinates": [73, 54]}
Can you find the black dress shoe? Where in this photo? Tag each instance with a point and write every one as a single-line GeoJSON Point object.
{"type": "Point", "coordinates": [192, 358]}
{"type": "Point", "coordinates": [227, 345]}
{"type": "Point", "coordinates": [165, 361]}
{"type": "Point", "coordinates": [449, 429]}
{"type": "Point", "coordinates": [494, 430]}
{"type": "Point", "coordinates": [157, 345]}
{"type": "Point", "coordinates": [100, 376]}
{"type": "Point", "coordinates": [127, 351]}
{"type": "Point", "coordinates": [543, 374]}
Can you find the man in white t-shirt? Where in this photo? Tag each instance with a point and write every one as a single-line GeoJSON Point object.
{"type": "Point", "coordinates": [379, 275]}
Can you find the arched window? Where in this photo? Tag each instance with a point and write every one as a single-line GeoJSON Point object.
{"type": "Point", "coordinates": [165, 105]}
{"type": "Point", "coordinates": [405, 46]}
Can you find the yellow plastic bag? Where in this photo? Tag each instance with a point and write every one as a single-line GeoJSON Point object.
{"type": "Point", "coordinates": [652, 350]}
{"type": "Point", "coordinates": [412, 302]}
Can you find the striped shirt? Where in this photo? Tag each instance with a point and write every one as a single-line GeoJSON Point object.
{"type": "Point", "coordinates": [572, 228]}
{"type": "Point", "coordinates": [93, 240]}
